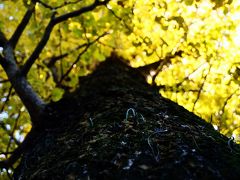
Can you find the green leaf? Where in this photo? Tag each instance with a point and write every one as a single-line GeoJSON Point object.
{"type": "Point", "coordinates": [57, 94]}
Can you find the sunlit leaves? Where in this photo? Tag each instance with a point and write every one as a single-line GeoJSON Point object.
{"type": "Point", "coordinates": [206, 38]}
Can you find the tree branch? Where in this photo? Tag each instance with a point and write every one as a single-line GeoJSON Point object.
{"type": "Point", "coordinates": [56, 20]}
{"type": "Point", "coordinates": [54, 59]}
{"type": "Point", "coordinates": [30, 99]}
{"type": "Point", "coordinates": [80, 11]}
{"type": "Point", "coordinates": [71, 67]}
{"type": "Point", "coordinates": [17, 76]}
{"type": "Point", "coordinates": [57, 7]}
{"type": "Point", "coordinates": [18, 32]}
{"type": "Point", "coordinates": [79, 56]}
{"type": "Point", "coordinates": [39, 48]}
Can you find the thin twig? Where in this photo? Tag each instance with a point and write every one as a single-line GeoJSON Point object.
{"type": "Point", "coordinates": [2, 109]}
{"type": "Point", "coordinates": [54, 59]}
{"type": "Point", "coordinates": [13, 130]}
{"type": "Point", "coordinates": [120, 19]}
{"type": "Point", "coordinates": [165, 61]}
{"type": "Point", "coordinates": [3, 126]}
{"type": "Point", "coordinates": [75, 62]}
{"type": "Point", "coordinates": [226, 101]}
{"type": "Point", "coordinates": [54, 21]}
{"type": "Point", "coordinates": [188, 76]}
{"type": "Point", "coordinates": [79, 56]}
{"type": "Point", "coordinates": [7, 98]}
{"type": "Point", "coordinates": [201, 88]}
{"type": "Point", "coordinates": [178, 86]}
{"type": "Point", "coordinates": [223, 109]}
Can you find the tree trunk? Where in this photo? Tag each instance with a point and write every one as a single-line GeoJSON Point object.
{"type": "Point", "coordinates": [116, 126]}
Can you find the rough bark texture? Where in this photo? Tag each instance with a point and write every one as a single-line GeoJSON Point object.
{"type": "Point", "coordinates": [115, 126]}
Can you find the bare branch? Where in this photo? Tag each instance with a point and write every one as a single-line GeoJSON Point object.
{"type": "Point", "coordinates": [18, 32]}
{"type": "Point", "coordinates": [56, 20]}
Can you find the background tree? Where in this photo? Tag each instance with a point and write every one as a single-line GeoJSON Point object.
{"type": "Point", "coordinates": [51, 43]}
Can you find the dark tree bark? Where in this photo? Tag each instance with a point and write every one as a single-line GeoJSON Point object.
{"type": "Point", "coordinates": [116, 126]}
